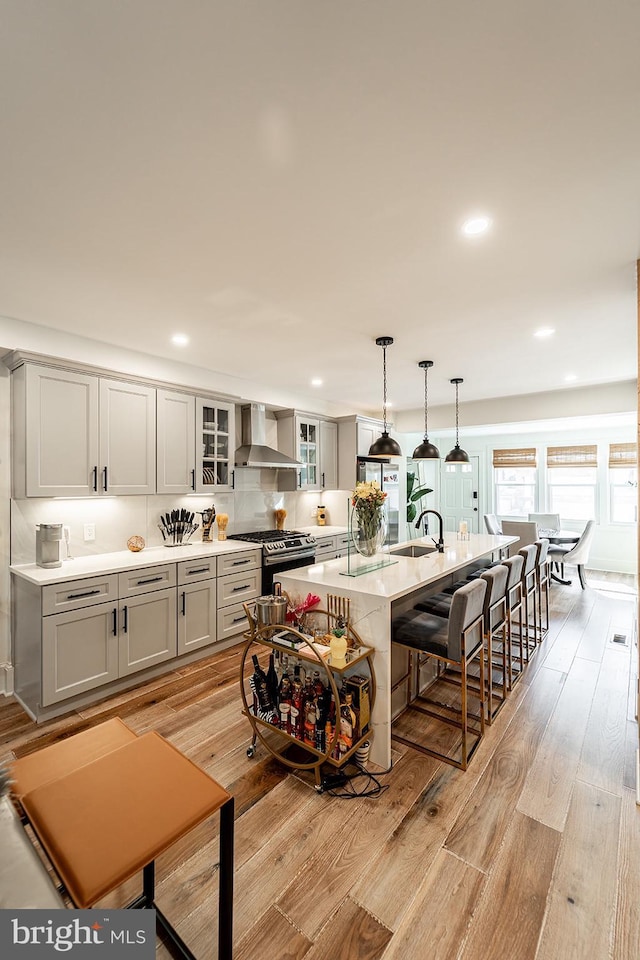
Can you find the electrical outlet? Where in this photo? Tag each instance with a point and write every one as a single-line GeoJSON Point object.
{"type": "Point", "coordinates": [89, 532]}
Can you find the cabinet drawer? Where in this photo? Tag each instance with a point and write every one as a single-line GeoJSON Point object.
{"type": "Point", "coordinates": [133, 582]}
{"type": "Point", "coordinates": [239, 587]}
{"type": "Point", "coordinates": [231, 621]}
{"type": "Point", "coordinates": [233, 562]}
{"type": "Point", "coordinates": [191, 570]}
{"type": "Point", "coordinates": [325, 548]}
{"type": "Point", "coordinates": [59, 597]}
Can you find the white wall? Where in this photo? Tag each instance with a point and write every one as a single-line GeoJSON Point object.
{"type": "Point", "coordinates": [614, 545]}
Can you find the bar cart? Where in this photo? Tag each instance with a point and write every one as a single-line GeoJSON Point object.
{"type": "Point", "coordinates": [288, 749]}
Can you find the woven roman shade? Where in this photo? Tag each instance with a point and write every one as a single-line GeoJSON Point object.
{"type": "Point", "coordinates": [523, 457]}
{"type": "Point", "coordinates": [584, 456]}
{"type": "Point", "coordinates": [623, 455]}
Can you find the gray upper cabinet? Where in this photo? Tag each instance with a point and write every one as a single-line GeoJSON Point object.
{"type": "Point", "coordinates": [313, 442]}
{"type": "Point", "coordinates": [176, 442]}
{"type": "Point", "coordinates": [55, 435]}
{"type": "Point", "coordinates": [215, 445]}
{"type": "Point", "coordinates": [127, 438]}
{"type": "Point", "coordinates": [79, 435]}
{"type": "Point", "coordinates": [328, 455]}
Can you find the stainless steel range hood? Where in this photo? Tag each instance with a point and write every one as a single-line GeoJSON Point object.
{"type": "Point", "coordinates": [254, 452]}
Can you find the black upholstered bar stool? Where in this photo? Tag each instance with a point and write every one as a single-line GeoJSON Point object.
{"type": "Point", "coordinates": [456, 642]}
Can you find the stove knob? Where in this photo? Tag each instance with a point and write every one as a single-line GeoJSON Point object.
{"type": "Point", "coordinates": [280, 545]}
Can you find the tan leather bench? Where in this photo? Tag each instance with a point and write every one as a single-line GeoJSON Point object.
{"type": "Point", "coordinates": [105, 803]}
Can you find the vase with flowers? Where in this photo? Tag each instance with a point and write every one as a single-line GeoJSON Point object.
{"type": "Point", "coordinates": [367, 516]}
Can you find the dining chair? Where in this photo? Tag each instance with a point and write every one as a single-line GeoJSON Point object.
{"type": "Point", "coordinates": [546, 521]}
{"type": "Point", "coordinates": [526, 530]}
{"type": "Point", "coordinates": [577, 555]}
{"type": "Point", "coordinates": [492, 524]}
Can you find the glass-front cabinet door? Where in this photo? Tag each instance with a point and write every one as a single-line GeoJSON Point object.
{"type": "Point", "coordinates": [215, 445]}
{"type": "Point", "coordinates": [308, 434]}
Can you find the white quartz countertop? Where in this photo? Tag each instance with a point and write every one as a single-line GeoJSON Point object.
{"type": "Point", "coordinates": [405, 574]}
{"type": "Point", "coordinates": [101, 563]}
{"type": "Point", "coordinates": [326, 531]}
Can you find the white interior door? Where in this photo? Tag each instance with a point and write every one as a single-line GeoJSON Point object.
{"type": "Point", "coordinates": [459, 495]}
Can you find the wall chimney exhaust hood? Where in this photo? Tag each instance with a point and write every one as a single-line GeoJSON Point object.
{"type": "Point", "coordinates": [254, 452]}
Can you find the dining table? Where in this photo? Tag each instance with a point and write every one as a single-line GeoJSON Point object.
{"type": "Point", "coordinates": [564, 537]}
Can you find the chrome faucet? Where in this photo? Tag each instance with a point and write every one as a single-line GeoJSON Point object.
{"type": "Point", "coordinates": [440, 541]}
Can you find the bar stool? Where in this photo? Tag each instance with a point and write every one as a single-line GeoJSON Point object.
{"type": "Point", "coordinates": [529, 555]}
{"type": "Point", "coordinates": [456, 641]}
{"type": "Point", "coordinates": [495, 632]}
{"type": "Point", "coordinates": [514, 606]}
{"type": "Point", "coordinates": [495, 627]}
{"type": "Point", "coordinates": [105, 803]}
{"type": "Point", "coordinates": [542, 584]}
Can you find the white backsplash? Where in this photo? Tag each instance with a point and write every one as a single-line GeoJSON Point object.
{"type": "Point", "coordinates": [250, 507]}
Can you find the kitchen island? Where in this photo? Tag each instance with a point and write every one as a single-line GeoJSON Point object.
{"type": "Point", "coordinates": [379, 595]}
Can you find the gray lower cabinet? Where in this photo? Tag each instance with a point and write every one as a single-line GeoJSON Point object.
{"type": "Point", "coordinates": [72, 637]}
{"type": "Point", "coordinates": [79, 651]}
{"type": "Point", "coordinates": [148, 633]}
{"type": "Point", "coordinates": [196, 615]}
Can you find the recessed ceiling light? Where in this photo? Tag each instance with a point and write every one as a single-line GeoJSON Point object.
{"type": "Point", "coordinates": [180, 339]}
{"type": "Point", "coordinates": [570, 377]}
{"type": "Point", "coordinates": [316, 382]}
{"type": "Point", "coordinates": [475, 226]}
{"type": "Point", "coordinates": [544, 332]}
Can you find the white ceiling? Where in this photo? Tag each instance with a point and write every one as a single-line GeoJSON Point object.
{"type": "Point", "coordinates": [285, 180]}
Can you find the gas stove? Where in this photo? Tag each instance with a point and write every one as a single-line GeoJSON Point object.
{"type": "Point", "coordinates": [279, 544]}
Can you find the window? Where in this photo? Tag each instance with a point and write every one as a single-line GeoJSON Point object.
{"type": "Point", "coordinates": [572, 478]}
{"type": "Point", "coordinates": [515, 481]}
{"type": "Point", "coordinates": [623, 482]}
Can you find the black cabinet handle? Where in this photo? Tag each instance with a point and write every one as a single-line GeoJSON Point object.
{"type": "Point", "coordinates": [237, 619]}
{"type": "Point", "coordinates": [184, 603]}
{"type": "Point", "coordinates": [150, 580]}
{"type": "Point", "coordinates": [104, 481]}
{"type": "Point", "coordinates": [323, 479]}
{"type": "Point", "coordinates": [193, 479]}
{"type": "Point", "coordinates": [299, 472]}
{"type": "Point", "coordinates": [239, 563]}
{"type": "Point", "coordinates": [199, 570]}
{"type": "Point", "coordinates": [125, 624]}
{"type": "Point", "coordinates": [245, 586]}
{"type": "Point", "coordinates": [95, 479]}
{"type": "Point", "coordinates": [115, 621]}
{"type": "Point", "coordinates": [233, 479]}
{"type": "Point", "coordinates": [77, 596]}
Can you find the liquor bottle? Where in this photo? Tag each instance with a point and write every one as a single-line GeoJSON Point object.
{"type": "Point", "coordinates": [297, 716]}
{"type": "Point", "coordinates": [284, 689]}
{"type": "Point", "coordinates": [262, 702]}
{"type": "Point", "coordinates": [355, 718]}
{"type": "Point", "coordinates": [310, 722]}
{"type": "Point", "coordinates": [272, 681]}
{"type": "Point", "coordinates": [285, 716]}
{"type": "Point", "coordinates": [346, 727]}
{"type": "Point", "coordinates": [321, 723]}
{"type": "Point", "coordinates": [318, 686]}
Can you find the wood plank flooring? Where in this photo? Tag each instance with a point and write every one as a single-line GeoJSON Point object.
{"type": "Point", "coordinates": [532, 854]}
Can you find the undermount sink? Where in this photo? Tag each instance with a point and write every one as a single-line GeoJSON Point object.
{"type": "Point", "coordinates": [413, 550]}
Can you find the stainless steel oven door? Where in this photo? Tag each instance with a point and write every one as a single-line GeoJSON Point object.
{"type": "Point", "coordinates": [272, 567]}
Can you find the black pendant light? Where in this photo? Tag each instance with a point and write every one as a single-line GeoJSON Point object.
{"type": "Point", "coordinates": [426, 450]}
{"type": "Point", "coordinates": [457, 455]}
{"type": "Point", "coordinates": [385, 446]}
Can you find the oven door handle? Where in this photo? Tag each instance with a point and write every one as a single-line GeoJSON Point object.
{"type": "Point", "coordinates": [272, 561]}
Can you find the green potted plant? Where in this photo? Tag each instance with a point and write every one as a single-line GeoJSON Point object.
{"type": "Point", "coordinates": [415, 493]}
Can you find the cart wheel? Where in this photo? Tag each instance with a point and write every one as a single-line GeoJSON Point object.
{"type": "Point", "coordinates": [251, 752]}
{"type": "Point", "coordinates": [318, 788]}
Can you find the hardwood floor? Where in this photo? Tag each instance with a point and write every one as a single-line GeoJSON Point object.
{"type": "Point", "coordinates": [532, 854]}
